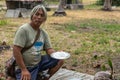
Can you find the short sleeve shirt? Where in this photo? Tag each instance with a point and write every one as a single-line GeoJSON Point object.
{"type": "Point", "coordinates": [25, 36]}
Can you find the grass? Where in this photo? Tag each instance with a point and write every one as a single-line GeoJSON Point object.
{"type": "Point", "coordinates": [83, 33]}
{"type": "Point", "coordinates": [3, 22]}
{"type": "Point", "coordinates": [86, 34]}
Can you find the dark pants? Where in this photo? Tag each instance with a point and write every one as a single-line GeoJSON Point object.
{"type": "Point", "coordinates": [46, 63]}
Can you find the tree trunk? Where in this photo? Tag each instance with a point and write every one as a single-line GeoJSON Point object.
{"type": "Point", "coordinates": [60, 10]}
{"type": "Point", "coordinates": [107, 5]}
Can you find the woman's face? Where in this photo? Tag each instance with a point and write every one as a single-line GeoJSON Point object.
{"type": "Point", "coordinates": [38, 18]}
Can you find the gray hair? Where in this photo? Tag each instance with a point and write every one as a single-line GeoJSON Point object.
{"type": "Point", "coordinates": [36, 8]}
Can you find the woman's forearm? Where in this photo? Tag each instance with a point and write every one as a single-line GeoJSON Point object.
{"type": "Point", "coordinates": [18, 56]}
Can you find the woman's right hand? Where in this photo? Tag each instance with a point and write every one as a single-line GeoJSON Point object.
{"type": "Point", "coordinates": [25, 75]}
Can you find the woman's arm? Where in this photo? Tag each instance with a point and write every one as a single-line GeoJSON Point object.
{"type": "Point", "coordinates": [50, 51]}
{"type": "Point", "coordinates": [25, 75]}
{"type": "Point", "coordinates": [18, 56]}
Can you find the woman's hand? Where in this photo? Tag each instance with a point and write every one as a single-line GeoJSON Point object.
{"type": "Point", "coordinates": [25, 75]}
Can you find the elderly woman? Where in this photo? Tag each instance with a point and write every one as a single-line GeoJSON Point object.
{"type": "Point", "coordinates": [30, 63]}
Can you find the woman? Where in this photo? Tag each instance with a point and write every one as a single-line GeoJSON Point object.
{"type": "Point", "coordinates": [31, 62]}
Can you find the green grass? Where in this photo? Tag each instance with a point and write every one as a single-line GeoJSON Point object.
{"type": "Point", "coordinates": [93, 6]}
{"type": "Point", "coordinates": [3, 22]}
{"type": "Point", "coordinates": [70, 27]}
{"type": "Point", "coordinates": [101, 24]}
{"type": "Point", "coordinates": [95, 35]}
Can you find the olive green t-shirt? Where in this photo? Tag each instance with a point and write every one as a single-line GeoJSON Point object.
{"type": "Point", "coordinates": [24, 37]}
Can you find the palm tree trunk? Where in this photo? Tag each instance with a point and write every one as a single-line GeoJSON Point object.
{"type": "Point", "coordinates": [107, 5]}
{"type": "Point", "coordinates": [60, 10]}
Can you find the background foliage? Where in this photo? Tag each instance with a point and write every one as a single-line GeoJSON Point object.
{"type": "Point", "coordinates": [114, 2]}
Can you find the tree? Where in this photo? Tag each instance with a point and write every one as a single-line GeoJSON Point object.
{"type": "Point", "coordinates": [60, 10]}
{"type": "Point", "coordinates": [107, 5]}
